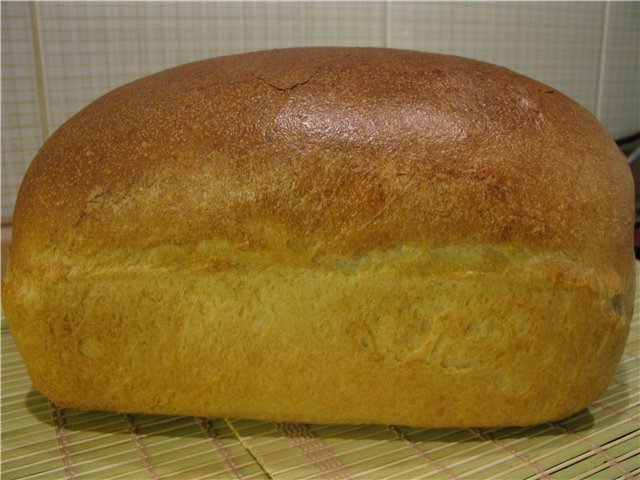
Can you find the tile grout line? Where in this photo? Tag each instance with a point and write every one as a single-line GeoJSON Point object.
{"type": "Point", "coordinates": [601, 66]}
{"type": "Point", "coordinates": [37, 53]}
{"type": "Point", "coordinates": [387, 24]}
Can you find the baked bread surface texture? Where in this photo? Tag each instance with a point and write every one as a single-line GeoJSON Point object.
{"type": "Point", "coordinates": [326, 235]}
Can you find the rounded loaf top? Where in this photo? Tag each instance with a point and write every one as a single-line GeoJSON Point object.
{"type": "Point", "coordinates": [310, 151]}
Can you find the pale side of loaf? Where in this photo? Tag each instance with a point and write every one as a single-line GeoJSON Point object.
{"type": "Point", "coordinates": [326, 235]}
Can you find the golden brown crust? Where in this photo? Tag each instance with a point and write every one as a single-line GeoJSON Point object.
{"type": "Point", "coordinates": [315, 154]}
{"type": "Point", "coordinates": [338, 149]}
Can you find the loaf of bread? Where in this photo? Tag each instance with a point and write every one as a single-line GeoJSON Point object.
{"type": "Point", "coordinates": [346, 235]}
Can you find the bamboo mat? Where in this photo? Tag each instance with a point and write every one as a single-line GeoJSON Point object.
{"type": "Point", "coordinates": [40, 440]}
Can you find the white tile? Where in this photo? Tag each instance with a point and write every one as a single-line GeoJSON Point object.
{"type": "Point", "coordinates": [620, 101]}
{"type": "Point", "coordinates": [119, 42]}
{"type": "Point", "coordinates": [92, 48]}
{"type": "Point", "coordinates": [21, 127]}
{"type": "Point", "coordinates": [555, 43]}
{"type": "Point", "coordinates": [280, 25]}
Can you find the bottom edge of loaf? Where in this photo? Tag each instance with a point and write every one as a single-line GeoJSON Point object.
{"type": "Point", "coordinates": [338, 419]}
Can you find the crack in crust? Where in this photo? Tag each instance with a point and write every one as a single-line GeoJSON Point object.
{"type": "Point", "coordinates": [283, 89]}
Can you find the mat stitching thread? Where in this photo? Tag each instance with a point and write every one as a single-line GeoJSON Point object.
{"type": "Point", "coordinates": [548, 453]}
{"type": "Point", "coordinates": [515, 454]}
{"type": "Point", "coordinates": [360, 448]}
{"type": "Point", "coordinates": [63, 441]}
{"type": "Point", "coordinates": [588, 454]}
{"type": "Point", "coordinates": [219, 447]}
{"type": "Point", "coordinates": [625, 384]}
{"type": "Point", "coordinates": [596, 448]}
{"type": "Point", "coordinates": [135, 435]}
{"type": "Point", "coordinates": [248, 449]}
{"type": "Point", "coordinates": [604, 466]}
{"type": "Point", "coordinates": [617, 412]}
{"type": "Point", "coordinates": [401, 436]}
{"type": "Point", "coordinates": [315, 450]}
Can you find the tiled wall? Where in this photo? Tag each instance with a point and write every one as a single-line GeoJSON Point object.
{"type": "Point", "coordinates": [59, 56]}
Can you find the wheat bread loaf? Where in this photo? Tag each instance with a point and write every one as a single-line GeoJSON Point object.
{"type": "Point", "coordinates": [347, 235]}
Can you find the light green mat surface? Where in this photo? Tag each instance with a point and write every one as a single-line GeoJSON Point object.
{"type": "Point", "coordinates": [42, 441]}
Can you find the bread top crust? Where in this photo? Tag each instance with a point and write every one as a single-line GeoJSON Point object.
{"type": "Point", "coordinates": [310, 151]}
